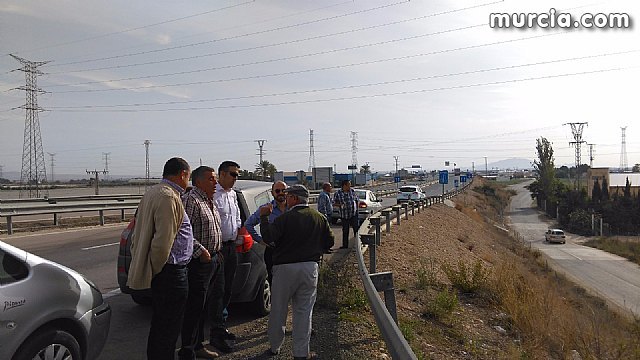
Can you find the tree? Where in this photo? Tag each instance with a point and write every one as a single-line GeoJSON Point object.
{"type": "Point", "coordinates": [596, 193]}
{"type": "Point", "coordinates": [636, 168]}
{"type": "Point", "coordinates": [544, 170]}
{"type": "Point", "coordinates": [365, 169]}
{"type": "Point", "coordinates": [627, 189]}
{"type": "Point", "coordinates": [605, 190]}
{"type": "Point", "coordinates": [265, 169]}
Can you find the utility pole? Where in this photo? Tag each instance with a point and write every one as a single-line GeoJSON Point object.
{"type": "Point", "coordinates": [106, 162]}
{"type": "Point", "coordinates": [146, 183]}
{"type": "Point", "coordinates": [96, 178]}
{"type": "Point", "coordinates": [623, 152]}
{"type": "Point", "coordinates": [591, 156]}
{"type": "Point", "coordinates": [261, 153]}
{"type": "Point", "coordinates": [312, 154]}
{"type": "Point", "coordinates": [354, 156]}
{"type": "Point", "coordinates": [52, 162]}
{"type": "Point", "coordinates": [486, 170]}
{"type": "Point", "coordinates": [33, 169]}
{"type": "Point", "coordinates": [396, 174]}
{"type": "Point", "coordinates": [1, 167]}
{"type": "Point", "coordinates": [576, 130]}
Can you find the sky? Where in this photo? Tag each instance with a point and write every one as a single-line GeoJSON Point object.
{"type": "Point", "coordinates": [423, 81]}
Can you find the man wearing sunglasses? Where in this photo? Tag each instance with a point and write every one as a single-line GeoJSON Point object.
{"type": "Point", "coordinates": [226, 202]}
{"type": "Point", "coordinates": [279, 205]}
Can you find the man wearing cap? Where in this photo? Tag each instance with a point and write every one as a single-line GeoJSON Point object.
{"type": "Point", "coordinates": [301, 235]}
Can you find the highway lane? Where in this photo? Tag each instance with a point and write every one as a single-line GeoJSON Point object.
{"type": "Point", "coordinates": [611, 277]}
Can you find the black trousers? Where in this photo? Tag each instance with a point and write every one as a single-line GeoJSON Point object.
{"type": "Point", "coordinates": [268, 261]}
{"type": "Point", "coordinates": [352, 222]}
{"type": "Point", "coordinates": [221, 286]}
{"type": "Point", "coordinates": [169, 290]}
{"type": "Point", "coordinates": [199, 275]}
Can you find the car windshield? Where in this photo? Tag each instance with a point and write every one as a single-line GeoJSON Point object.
{"type": "Point", "coordinates": [408, 189]}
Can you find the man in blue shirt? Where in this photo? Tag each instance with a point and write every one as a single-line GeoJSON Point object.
{"type": "Point", "coordinates": [325, 206]}
{"type": "Point", "coordinates": [347, 200]}
{"type": "Point", "coordinates": [279, 204]}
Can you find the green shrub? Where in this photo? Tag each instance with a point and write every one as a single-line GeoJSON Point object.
{"type": "Point", "coordinates": [445, 303]}
{"type": "Point", "coordinates": [426, 273]}
{"type": "Point", "coordinates": [467, 279]}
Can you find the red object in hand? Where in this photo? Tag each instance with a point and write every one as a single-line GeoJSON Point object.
{"type": "Point", "coordinates": [244, 241]}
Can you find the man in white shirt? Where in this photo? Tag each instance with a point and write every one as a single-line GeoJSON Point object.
{"type": "Point", "coordinates": [226, 202]}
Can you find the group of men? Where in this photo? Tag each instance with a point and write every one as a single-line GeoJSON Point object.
{"type": "Point", "coordinates": [183, 249]}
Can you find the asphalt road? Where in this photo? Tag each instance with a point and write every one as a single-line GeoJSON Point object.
{"type": "Point", "coordinates": [611, 277]}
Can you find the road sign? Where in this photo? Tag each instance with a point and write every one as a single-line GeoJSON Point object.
{"type": "Point", "coordinates": [396, 179]}
{"type": "Point", "coordinates": [446, 163]}
{"type": "Point", "coordinates": [463, 178]}
{"type": "Point", "coordinates": [455, 183]}
{"type": "Point", "coordinates": [470, 175]}
{"type": "Point", "coordinates": [416, 167]}
{"type": "Point", "coordinates": [444, 177]}
{"type": "Point", "coordinates": [352, 167]}
{"type": "Point", "coordinates": [456, 171]}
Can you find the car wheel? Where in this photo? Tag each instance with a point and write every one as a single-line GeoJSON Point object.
{"type": "Point", "coordinates": [49, 343]}
{"type": "Point", "coordinates": [261, 305]}
{"type": "Point", "coordinates": [141, 299]}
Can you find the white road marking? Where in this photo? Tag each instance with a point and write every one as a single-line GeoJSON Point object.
{"type": "Point", "coordinates": [111, 293]}
{"type": "Point", "coordinates": [100, 246]}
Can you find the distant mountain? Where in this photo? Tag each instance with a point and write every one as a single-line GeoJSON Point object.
{"type": "Point", "coordinates": [510, 164]}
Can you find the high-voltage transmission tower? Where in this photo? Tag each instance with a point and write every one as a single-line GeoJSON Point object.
{"type": "Point", "coordinates": [592, 151]}
{"type": "Point", "coordinates": [623, 151]}
{"type": "Point", "coordinates": [261, 153]}
{"type": "Point", "coordinates": [52, 155]}
{"type": "Point", "coordinates": [576, 129]}
{"type": "Point", "coordinates": [146, 148]}
{"type": "Point", "coordinates": [354, 155]}
{"type": "Point", "coordinates": [34, 172]}
{"type": "Point", "coordinates": [312, 153]}
{"type": "Point", "coordinates": [105, 156]}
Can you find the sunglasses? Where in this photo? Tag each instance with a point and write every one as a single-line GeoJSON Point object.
{"type": "Point", "coordinates": [278, 191]}
{"type": "Point", "coordinates": [234, 174]}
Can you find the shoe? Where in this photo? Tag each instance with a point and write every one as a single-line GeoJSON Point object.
{"type": "Point", "coordinates": [344, 247]}
{"type": "Point", "coordinates": [229, 335]}
{"type": "Point", "coordinates": [328, 251]}
{"type": "Point", "coordinates": [270, 352]}
{"type": "Point", "coordinates": [221, 344]}
{"type": "Point", "coordinates": [311, 356]}
{"type": "Point", "coordinates": [205, 353]}
{"type": "Point", "coordinates": [313, 331]}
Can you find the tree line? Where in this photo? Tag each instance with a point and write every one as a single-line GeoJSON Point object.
{"type": "Point", "coordinates": [573, 207]}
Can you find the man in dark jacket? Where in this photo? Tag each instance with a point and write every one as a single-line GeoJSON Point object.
{"type": "Point", "coordinates": [301, 236]}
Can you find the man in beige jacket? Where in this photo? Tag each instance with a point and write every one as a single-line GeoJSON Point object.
{"type": "Point", "coordinates": [161, 247]}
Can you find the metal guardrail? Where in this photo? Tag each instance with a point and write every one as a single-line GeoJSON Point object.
{"type": "Point", "coordinates": [374, 282]}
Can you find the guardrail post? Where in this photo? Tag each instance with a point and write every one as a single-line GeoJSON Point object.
{"type": "Point", "coordinates": [413, 207]}
{"type": "Point", "coordinates": [397, 208]}
{"type": "Point", "coordinates": [370, 239]}
{"type": "Point", "coordinates": [405, 206]}
{"type": "Point", "coordinates": [419, 205]}
{"type": "Point", "coordinates": [121, 214]}
{"type": "Point", "coordinates": [384, 282]}
{"type": "Point", "coordinates": [101, 217]}
{"type": "Point", "coordinates": [387, 215]}
{"type": "Point", "coordinates": [375, 221]}
{"type": "Point", "coordinates": [9, 225]}
{"type": "Point", "coordinates": [55, 219]}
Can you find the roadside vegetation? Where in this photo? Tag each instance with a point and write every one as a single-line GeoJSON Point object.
{"type": "Point", "coordinates": [626, 247]}
{"type": "Point", "coordinates": [530, 311]}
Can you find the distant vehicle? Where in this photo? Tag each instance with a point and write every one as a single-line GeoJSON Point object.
{"type": "Point", "coordinates": [368, 204]}
{"type": "Point", "coordinates": [410, 193]}
{"type": "Point", "coordinates": [555, 235]}
{"type": "Point", "coordinates": [48, 311]}
{"type": "Point", "coordinates": [250, 283]}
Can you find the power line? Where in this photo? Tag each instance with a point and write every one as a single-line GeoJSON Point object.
{"type": "Point", "coordinates": [343, 87]}
{"type": "Point", "coordinates": [242, 35]}
{"type": "Point", "coordinates": [133, 29]}
{"type": "Point", "coordinates": [357, 97]}
{"type": "Point", "coordinates": [273, 44]}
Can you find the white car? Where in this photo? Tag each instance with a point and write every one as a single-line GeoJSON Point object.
{"type": "Point", "coordinates": [410, 193]}
{"type": "Point", "coordinates": [48, 311]}
{"type": "Point", "coordinates": [368, 204]}
{"type": "Point", "coordinates": [555, 235]}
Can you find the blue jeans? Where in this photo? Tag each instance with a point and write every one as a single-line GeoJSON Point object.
{"type": "Point", "coordinates": [169, 290]}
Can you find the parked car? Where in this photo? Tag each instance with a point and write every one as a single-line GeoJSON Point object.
{"type": "Point", "coordinates": [250, 284]}
{"type": "Point", "coordinates": [555, 235]}
{"type": "Point", "coordinates": [47, 310]}
{"type": "Point", "coordinates": [368, 204]}
{"type": "Point", "coordinates": [409, 193]}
